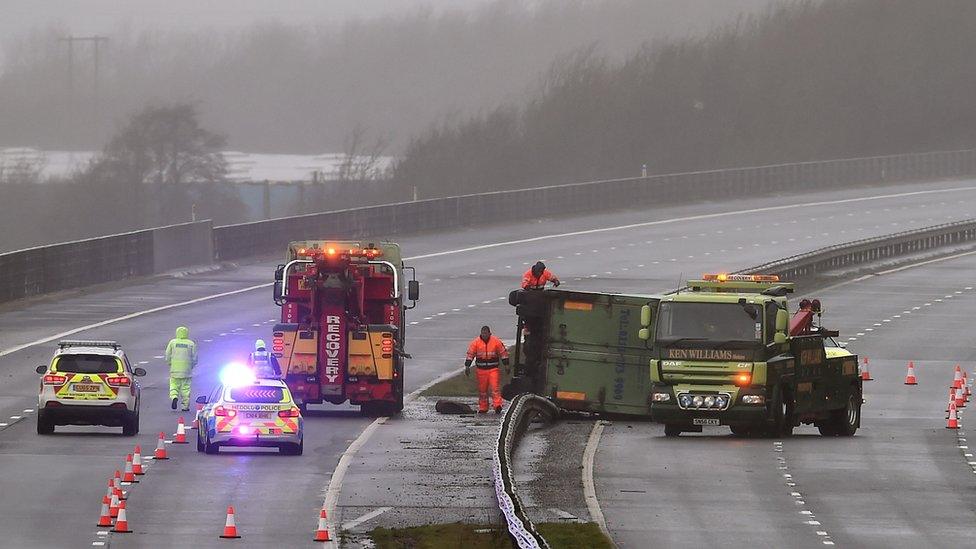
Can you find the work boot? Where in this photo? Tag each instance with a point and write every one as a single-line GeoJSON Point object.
{"type": "Point", "coordinates": [498, 409]}
{"type": "Point", "coordinates": [173, 403]}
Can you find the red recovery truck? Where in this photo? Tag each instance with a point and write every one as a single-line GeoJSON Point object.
{"type": "Point", "coordinates": [341, 333]}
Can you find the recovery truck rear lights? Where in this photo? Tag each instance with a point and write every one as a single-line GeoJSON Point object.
{"type": "Point", "coordinates": [225, 412]}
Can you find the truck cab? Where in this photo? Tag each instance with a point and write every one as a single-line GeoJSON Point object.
{"type": "Point", "coordinates": [723, 353]}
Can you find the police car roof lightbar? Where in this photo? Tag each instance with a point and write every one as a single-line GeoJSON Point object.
{"type": "Point", "coordinates": [63, 344]}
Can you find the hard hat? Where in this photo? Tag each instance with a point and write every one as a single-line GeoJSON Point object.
{"type": "Point", "coordinates": [259, 344]}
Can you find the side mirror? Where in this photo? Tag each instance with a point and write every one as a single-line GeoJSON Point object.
{"type": "Point", "coordinates": [41, 369]}
{"type": "Point", "coordinates": [413, 290]}
{"type": "Point", "coordinates": [779, 338]}
{"type": "Point", "coordinates": [782, 320]}
{"type": "Point", "coordinates": [139, 372]}
{"type": "Point", "coordinates": [644, 333]}
{"type": "Point", "coordinates": [202, 399]}
{"type": "Point", "coordinates": [645, 319]}
{"type": "Point", "coordinates": [279, 273]}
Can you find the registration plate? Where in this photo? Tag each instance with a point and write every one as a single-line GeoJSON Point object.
{"type": "Point", "coordinates": [86, 387]}
{"type": "Point", "coordinates": [705, 421]}
{"type": "Point", "coordinates": [257, 415]}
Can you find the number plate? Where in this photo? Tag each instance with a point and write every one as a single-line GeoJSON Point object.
{"type": "Point", "coordinates": [705, 421]}
{"type": "Point", "coordinates": [86, 387]}
{"type": "Point", "coordinates": [257, 415]}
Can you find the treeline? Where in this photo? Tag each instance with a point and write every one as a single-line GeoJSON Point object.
{"type": "Point", "coordinates": [804, 81]}
{"type": "Point", "coordinates": [304, 89]}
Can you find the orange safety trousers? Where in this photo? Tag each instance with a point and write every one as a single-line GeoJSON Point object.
{"type": "Point", "coordinates": [488, 381]}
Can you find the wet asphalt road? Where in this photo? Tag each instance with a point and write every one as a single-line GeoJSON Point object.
{"type": "Point", "coordinates": [58, 480]}
{"type": "Point", "coordinates": [902, 481]}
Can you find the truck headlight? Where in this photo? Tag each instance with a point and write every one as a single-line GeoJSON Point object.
{"type": "Point", "coordinates": [721, 401]}
{"type": "Point", "coordinates": [697, 401]}
{"type": "Point", "coordinates": [661, 397]}
{"type": "Point", "coordinates": [709, 401]}
{"type": "Point", "coordinates": [753, 399]}
{"type": "Point", "coordinates": [685, 401]}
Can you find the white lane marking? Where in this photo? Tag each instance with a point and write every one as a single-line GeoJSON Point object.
{"type": "Point", "coordinates": [28, 410]}
{"type": "Point", "coordinates": [368, 516]}
{"type": "Point", "coordinates": [687, 218]}
{"type": "Point", "coordinates": [589, 487]}
{"type": "Point", "coordinates": [335, 482]}
{"type": "Point", "coordinates": [937, 260]}
{"type": "Point", "coordinates": [3, 424]}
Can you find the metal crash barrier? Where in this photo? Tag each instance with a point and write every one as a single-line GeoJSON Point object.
{"type": "Point", "coordinates": [523, 409]}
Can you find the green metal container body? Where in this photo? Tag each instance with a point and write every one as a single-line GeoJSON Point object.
{"type": "Point", "coordinates": [581, 349]}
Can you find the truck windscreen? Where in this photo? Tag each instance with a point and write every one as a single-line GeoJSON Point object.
{"type": "Point", "coordinates": [716, 322]}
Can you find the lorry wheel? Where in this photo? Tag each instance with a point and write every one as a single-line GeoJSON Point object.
{"type": "Point", "coordinates": [44, 425]}
{"type": "Point", "coordinates": [741, 431]}
{"type": "Point", "coordinates": [782, 414]}
{"type": "Point", "coordinates": [671, 430]}
{"type": "Point", "coordinates": [843, 422]}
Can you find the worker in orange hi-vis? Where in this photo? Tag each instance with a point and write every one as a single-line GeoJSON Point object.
{"type": "Point", "coordinates": [486, 351]}
{"type": "Point", "coordinates": [537, 276]}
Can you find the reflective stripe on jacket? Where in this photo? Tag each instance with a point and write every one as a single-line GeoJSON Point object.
{"type": "Point", "coordinates": [487, 354]}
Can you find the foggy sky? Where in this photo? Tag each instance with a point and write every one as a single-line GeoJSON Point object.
{"type": "Point", "coordinates": [102, 16]}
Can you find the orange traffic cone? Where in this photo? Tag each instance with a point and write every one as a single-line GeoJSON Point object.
{"type": "Point", "coordinates": [160, 452]}
{"type": "Point", "coordinates": [137, 461]}
{"type": "Point", "coordinates": [121, 523]}
{"type": "Point", "coordinates": [952, 401]}
{"type": "Point", "coordinates": [230, 526]}
{"type": "Point", "coordinates": [957, 378]}
{"type": "Point", "coordinates": [910, 377]}
{"type": "Point", "coordinates": [111, 490]}
{"type": "Point", "coordinates": [953, 421]}
{"type": "Point", "coordinates": [865, 372]}
{"type": "Point", "coordinates": [105, 518]}
{"type": "Point", "coordinates": [113, 507]}
{"type": "Point", "coordinates": [960, 398]}
{"type": "Point", "coordinates": [180, 436]}
{"type": "Point", "coordinates": [322, 532]}
{"type": "Point", "coordinates": [117, 481]}
{"type": "Point", "coordinates": [129, 476]}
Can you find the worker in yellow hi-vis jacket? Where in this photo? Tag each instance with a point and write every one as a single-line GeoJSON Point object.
{"type": "Point", "coordinates": [181, 354]}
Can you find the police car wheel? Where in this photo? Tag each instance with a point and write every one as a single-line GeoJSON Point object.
{"type": "Point", "coordinates": [210, 447]}
{"type": "Point", "coordinates": [130, 425]}
{"type": "Point", "coordinates": [292, 449]}
{"type": "Point", "coordinates": [199, 442]}
{"type": "Point", "coordinates": [671, 430]}
{"type": "Point", "coordinates": [44, 425]}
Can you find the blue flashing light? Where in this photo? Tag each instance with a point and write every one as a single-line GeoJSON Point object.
{"type": "Point", "coordinates": [236, 374]}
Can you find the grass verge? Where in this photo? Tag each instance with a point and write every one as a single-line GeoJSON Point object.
{"type": "Point", "coordinates": [571, 535]}
{"type": "Point", "coordinates": [461, 386]}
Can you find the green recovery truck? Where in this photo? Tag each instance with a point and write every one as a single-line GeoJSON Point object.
{"type": "Point", "coordinates": [581, 349]}
{"type": "Point", "coordinates": [725, 352]}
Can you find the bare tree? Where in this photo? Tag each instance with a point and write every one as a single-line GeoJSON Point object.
{"type": "Point", "coordinates": [362, 158]}
{"type": "Point", "coordinates": [166, 145]}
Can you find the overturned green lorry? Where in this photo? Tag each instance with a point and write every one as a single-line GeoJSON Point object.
{"type": "Point", "coordinates": [723, 352]}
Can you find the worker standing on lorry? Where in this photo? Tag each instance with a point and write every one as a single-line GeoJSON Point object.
{"type": "Point", "coordinates": [537, 276]}
{"type": "Point", "coordinates": [485, 351]}
{"type": "Point", "coordinates": [181, 354]}
{"type": "Point", "coordinates": [263, 363]}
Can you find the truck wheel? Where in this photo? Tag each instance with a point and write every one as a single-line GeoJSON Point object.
{"type": "Point", "coordinates": [44, 425]}
{"type": "Point", "coordinates": [782, 419]}
{"type": "Point", "coordinates": [671, 430]}
{"type": "Point", "coordinates": [843, 422]}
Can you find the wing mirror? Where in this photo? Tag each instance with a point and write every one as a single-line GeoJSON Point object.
{"type": "Point", "coordinates": [139, 372]}
{"type": "Point", "coordinates": [41, 369]}
{"type": "Point", "coordinates": [413, 290]}
{"type": "Point", "coordinates": [202, 399]}
{"type": "Point", "coordinates": [782, 321]}
{"type": "Point", "coordinates": [645, 321]}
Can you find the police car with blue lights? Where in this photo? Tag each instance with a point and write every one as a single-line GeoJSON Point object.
{"type": "Point", "coordinates": [246, 411]}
